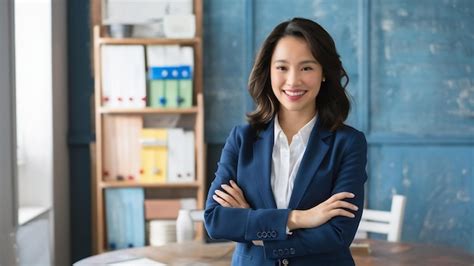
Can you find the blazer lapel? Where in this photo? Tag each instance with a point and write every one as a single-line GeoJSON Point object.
{"type": "Point", "coordinates": [312, 158]}
{"type": "Point", "coordinates": [262, 154]}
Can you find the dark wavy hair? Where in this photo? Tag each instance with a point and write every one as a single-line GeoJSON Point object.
{"type": "Point", "coordinates": [332, 101]}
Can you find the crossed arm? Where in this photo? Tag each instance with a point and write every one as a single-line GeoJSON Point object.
{"type": "Point", "coordinates": [231, 196]}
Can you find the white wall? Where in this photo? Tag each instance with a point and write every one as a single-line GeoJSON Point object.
{"type": "Point", "coordinates": [33, 45]}
{"type": "Point", "coordinates": [41, 88]}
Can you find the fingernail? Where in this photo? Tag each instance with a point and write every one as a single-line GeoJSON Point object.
{"type": "Point", "coordinates": [224, 185]}
{"type": "Point", "coordinates": [353, 216]}
{"type": "Point", "coordinates": [352, 195]}
{"type": "Point", "coordinates": [217, 191]}
{"type": "Point", "coordinates": [356, 208]}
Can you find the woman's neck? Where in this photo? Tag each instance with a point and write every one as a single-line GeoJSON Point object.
{"type": "Point", "coordinates": [292, 122]}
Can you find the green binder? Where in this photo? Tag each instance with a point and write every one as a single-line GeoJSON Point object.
{"type": "Point", "coordinates": [157, 93]}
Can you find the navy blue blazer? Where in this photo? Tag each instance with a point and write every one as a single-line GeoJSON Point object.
{"type": "Point", "coordinates": [333, 162]}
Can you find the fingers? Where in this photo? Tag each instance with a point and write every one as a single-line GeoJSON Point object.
{"type": "Point", "coordinates": [236, 193]}
{"type": "Point", "coordinates": [227, 198]}
{"type": "Point", "coordinates": [336, 206]}
{"type": "Point", "coordinates": [339, 196]}
{"type": "Point", "coordinates": [343, 204]}
{"type": "Point", "coordinates": [230, 196]}
{"type": "Point", "coordinates": [341, 212]}
{"type": "Point", "coordinates": [222, 202]}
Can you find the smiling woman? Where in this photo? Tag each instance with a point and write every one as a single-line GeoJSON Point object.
{"type": "Point", "coordinates": [289, 187]}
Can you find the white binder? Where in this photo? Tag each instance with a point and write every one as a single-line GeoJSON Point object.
{"type": "Point", "coordinates": [123, 76]}
{"type": "Point", "coordinates": [181, 156]}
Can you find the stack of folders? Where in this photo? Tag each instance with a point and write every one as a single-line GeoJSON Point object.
{"type": "Point", "coordinates": [125, 217]}
{"type": "Point", "coordinates": [170, 72]}
{"type": "Point", "coordinates": [121, 160]}
{"type": "Point", "coordinates": [123, 76]}
{"type": "Point", "coordinates": [167, 155]}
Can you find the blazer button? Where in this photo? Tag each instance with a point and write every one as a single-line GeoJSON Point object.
{"type": "Point", "coordinates": [292, 251]}
{"type": "Point", "coordinates": [264, 234]}
{"type": "Point", "coordinates": [287, 251]}
{"type": "Point", "coordinates": [274, 234]}
{"type": "Point", "coordinates": [275, 252]}
{"type": "Point", "coordinates": [259, 234]}
{"type": "Point", "coordinates": [280, 252]}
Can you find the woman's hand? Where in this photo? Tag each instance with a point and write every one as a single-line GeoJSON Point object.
{"type": "Point", "coordinates": [320, 214]}
{"type": "Point", "coordinates": [231, 197]}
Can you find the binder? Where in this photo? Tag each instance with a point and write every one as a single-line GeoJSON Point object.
{"type": "Point", "coordinates": [154, 155]}
{"type": "Point", "coordinates": [125, 217]}
{"type": "Point", "coordinates": [181, 156]}
{"type": "Point", "coordinates": [121, 147]}
{"type": "Point", "coordinates": [175, 154]}
{"type": "Point", "coordinates": [123, 76]}
{"type": "Point", "coordinates": [157, 74]}
{"type": "Point", "coordinates": [189, 173]}
{"type": "Point", "coordinates": [186, 77]}
{"type": "Point", "coordinates": [170, 76]}
{"type": "Point", "coordinates": [172, 60]}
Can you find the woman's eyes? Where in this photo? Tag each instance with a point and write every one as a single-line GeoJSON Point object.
{"type": "Point", "coordinates": [284, 68]}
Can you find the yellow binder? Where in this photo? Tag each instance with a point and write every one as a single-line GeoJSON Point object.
{"type": "Point", "coordinates": [154, 155]}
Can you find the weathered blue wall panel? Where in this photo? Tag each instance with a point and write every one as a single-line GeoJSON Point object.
{"type": "Point", "coordinates": [438, 183]}
{"type": "Point", "coordinates": [411, 68]}
{"type": "Point", "coordinates": [422, 67]}
{"type": "Point", "coordinates": [224, 66]}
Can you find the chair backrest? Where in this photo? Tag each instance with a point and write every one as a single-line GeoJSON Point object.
{"type": "Point", "coordinates": [384, 222]}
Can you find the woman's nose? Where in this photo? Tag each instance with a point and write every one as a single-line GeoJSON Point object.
{"type": "Point", "coordinates": [293, 78]}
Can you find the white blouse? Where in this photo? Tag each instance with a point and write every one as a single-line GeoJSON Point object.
{"type": "Point", "coordinates": [286, 161]}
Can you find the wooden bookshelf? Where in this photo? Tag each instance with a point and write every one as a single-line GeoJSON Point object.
{"type": "Point", "coordinates": [99, 183]}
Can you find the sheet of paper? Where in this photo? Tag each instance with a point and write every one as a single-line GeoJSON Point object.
{"type": "Point", "coordinates": [137, 262]}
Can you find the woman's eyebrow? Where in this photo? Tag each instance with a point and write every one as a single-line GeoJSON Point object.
{"type": "Point", "coordinates": [300, 63]}
{"type": "Point", "coordinates": [309, 62]}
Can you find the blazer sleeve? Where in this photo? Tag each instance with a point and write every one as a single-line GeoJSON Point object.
{"type": "Point", "coordinates": [338, 232]}
{"type": "Point", "coordinates": [238, 224]}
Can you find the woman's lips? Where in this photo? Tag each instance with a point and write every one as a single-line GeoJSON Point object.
{"type": "Point", "coordinates": [294, 95]}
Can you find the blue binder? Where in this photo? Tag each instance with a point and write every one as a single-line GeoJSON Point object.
{"type": "Point", "coordinates": [125, 217]}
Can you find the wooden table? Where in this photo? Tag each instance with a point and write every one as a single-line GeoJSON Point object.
{"type": "Point", "coordinates": [381, 253]}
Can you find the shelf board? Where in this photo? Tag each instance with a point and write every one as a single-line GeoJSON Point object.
{"type": "Point", "coordinates": [119, 184]}
{"type": "Point", "coordinates": [108, 40]}
{"type": "Point", "coordinates": [148, 110]}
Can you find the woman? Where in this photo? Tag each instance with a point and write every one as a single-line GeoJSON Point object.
{"type": "Point", "coordinates": [289, 187]}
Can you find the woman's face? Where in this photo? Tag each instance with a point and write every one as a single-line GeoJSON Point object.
{"type": "Point", "coordinates": [296, 76]}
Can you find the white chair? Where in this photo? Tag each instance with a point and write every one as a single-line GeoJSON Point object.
{"type": "Point", "coordinates": [384, 222]}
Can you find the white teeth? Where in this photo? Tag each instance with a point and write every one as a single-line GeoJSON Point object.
{"type": "Point", "coordinates": [298, 93]}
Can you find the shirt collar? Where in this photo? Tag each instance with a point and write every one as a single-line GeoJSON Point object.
{"type": "Point", "coordinates": [304, 132]}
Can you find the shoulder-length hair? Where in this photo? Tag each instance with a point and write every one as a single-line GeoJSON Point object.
{"type": "Point", "coordinates": [332, 103]}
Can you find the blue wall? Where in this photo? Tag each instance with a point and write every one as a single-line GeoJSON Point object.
{"type": "Point", "coordinates": [411, 67]}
